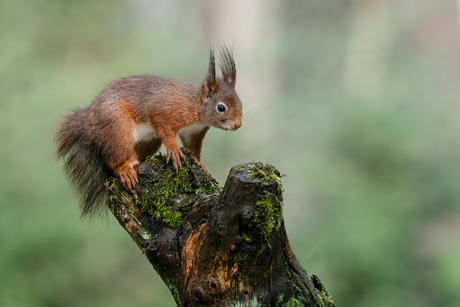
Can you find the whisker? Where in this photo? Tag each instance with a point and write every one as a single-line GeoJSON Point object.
{"type": "Point", "coordinates": [247, 112]}
{"type": "Point", "coordinates": [246, 102]}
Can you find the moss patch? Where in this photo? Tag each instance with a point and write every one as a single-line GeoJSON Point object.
{"type": "Point", "coordinates": [264, 173]}
{"type": "Point", "coordinates": [268, 214]}
{"type": "Point", "coordinates": [168, 195]}
{"type": "Point", "coordinates": [268, 209]}
{"type": "Point", "coordinates": [292, 303]}
{"type": "Point", "coordinates": [325, 297]}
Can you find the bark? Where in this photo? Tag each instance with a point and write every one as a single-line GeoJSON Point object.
{"type": "Point", "coordinates": [216, 246]}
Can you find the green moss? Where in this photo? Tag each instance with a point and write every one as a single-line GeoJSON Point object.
{"type": "Point", "coordinates": [264, 173]}
{"type": "Point", "coordinates": [164, 198]}
{"type": "Point", "coordinates": [172, 288]}
{"type": "Point", "coordinates": [246, 238]}
{"type": "Point", "coordinates": [325, 297]}
{"type": "Point", "coordinates": [207, 190]}
{"type": "Point", "coordinates": [280, 298]}
{"type": "Point", "coordinates": [268, 210]}
{"type": "Point", "coordinates": [268, 214]}
{"type": "Point", "coordinates": [293, 302]}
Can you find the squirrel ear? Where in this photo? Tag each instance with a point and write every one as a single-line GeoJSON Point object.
{"type": "Point", "coordinates": [228, 66]}
{"type": "Point", "coordinates": [210, 84]}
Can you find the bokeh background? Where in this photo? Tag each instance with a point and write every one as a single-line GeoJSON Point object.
{"type": "Point", "coordinates": [355, 101]}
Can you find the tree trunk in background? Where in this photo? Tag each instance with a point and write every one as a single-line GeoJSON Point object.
{"type": "Point", "coordinates": [252, 28]}
{"type": "Point", "coordinates": [458, 14]}
{"type": "Point", "coordinates": [365, 68]}
{"type": "Point", "coordinates": [216, 246]}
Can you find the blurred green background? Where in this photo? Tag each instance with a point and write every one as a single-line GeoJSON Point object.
{"type": "Point", "coordinates": [356, 102]}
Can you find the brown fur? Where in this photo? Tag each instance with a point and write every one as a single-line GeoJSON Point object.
{"type": "Point", "coordinates": [195, 142]}
{"type": "Point", "coordinates": [100, 140]}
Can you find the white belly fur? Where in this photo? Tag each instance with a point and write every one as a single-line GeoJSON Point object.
{"type": "Point", "coordinates": [191, 129]}
{"type": "Point", "coordinates": [144, 132]}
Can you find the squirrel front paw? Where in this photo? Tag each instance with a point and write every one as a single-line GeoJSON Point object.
{"type": "Point", "coordinates": [176, 155]}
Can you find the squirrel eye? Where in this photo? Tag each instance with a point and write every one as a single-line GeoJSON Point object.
{"type": "Point", "coordinates": [221, 108]}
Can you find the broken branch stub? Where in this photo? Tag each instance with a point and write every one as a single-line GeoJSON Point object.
{"type": "Point", "coordinates": [213, 246]}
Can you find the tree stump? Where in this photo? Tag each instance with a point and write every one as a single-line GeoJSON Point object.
{"type": "Point", "coordinates": [215, 246]}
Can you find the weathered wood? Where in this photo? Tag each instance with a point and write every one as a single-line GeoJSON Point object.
{"type": "Point", "coordinates": [213, 246]}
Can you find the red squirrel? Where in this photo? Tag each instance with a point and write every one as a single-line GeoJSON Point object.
{"type": "Point", "coordinates": [133, 116]}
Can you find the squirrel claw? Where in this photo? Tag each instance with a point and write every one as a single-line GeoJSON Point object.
{"type": "Point", "coordinates": [202, 165]}
{"type": "Point", "coordinates": [176, 155]}
{"type": "Point", "coordinates": [128, 177]}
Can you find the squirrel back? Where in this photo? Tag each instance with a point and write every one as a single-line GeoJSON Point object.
{"type": "Point", "coordinates": [132, 117]}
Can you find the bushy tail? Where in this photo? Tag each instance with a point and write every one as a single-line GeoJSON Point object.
{"type": "Point", "coordinates": [83, 167]}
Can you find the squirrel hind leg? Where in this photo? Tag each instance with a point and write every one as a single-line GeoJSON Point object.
{"type": "Point", "coordinates": [128, 175]}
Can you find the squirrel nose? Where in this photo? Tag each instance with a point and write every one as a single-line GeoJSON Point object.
{"type": "Point", "coordinates": [236, 126]}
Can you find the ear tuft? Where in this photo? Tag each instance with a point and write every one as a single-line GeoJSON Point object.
{"type": "Point", "coordinates": [210, 84]}
{"type": "Point", "coordinates": [227, 65]}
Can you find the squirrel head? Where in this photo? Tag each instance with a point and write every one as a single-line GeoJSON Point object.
{"type": "Point", "coordinates": [220, 105]}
